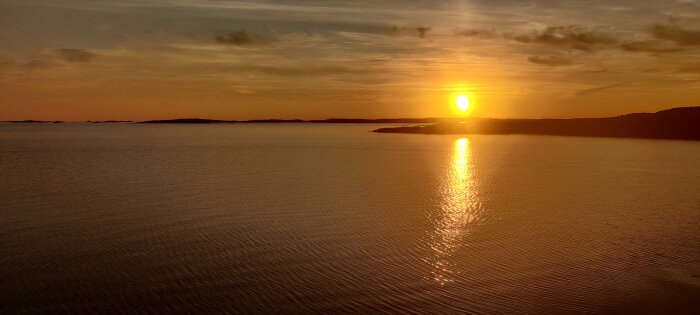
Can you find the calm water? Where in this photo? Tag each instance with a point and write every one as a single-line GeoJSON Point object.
{"type": "Point", "coordinates": [335, 219]}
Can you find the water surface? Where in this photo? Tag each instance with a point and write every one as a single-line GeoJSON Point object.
{"type": "Point", "coordinates": [316, 218]}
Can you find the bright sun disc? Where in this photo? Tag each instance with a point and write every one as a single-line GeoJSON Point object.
{"type": "Point", "coordinates": [463, 103]}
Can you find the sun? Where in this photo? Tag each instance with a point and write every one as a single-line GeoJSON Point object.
{"type": "Point", "coordinates": [462, 103]}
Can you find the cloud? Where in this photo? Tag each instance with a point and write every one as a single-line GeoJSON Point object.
{"type": "Point", "coordinates": [599, 89]}
{"type": "Point", "coordinates": [575, 36]}
{"type": "Point", "coordinates": [690, 69]}
{"type": "Point", "coordinates": [243, 38]}
{"type": "Point", "coordinates": [667, 38]}
{"type": "Point", "coordinates": [478, 32]}
{"type": "Point", "coordinates": [52, 58]}
{"type": "Point", "coordinates": [552, 61]}
{"type": "Point", "coordinates": [653, 46]}
{"type": "Point", "coordinates": [300, 70]}
{"type": "Point", "coordinates": [676, 34]}
{"type": "Point", "coordinates": [421, 31]}
{"type": "Point", "coordinates": [76, 55]}
{"type": "Point", "coordinates": [38, 64]}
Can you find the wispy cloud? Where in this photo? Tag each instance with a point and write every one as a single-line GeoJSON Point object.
{"type": "Point", "coordinates": [676, 34]}
{"type": "Point", "coordinates": [38, 64]}
{"type": "Point", "coordinates": [598, 89]}
{"type": "Point", "coordinates": [479, 33]}
{"type": "Point", "coordinates": [300, 70]}
{"type": "Point", "coordinates": [575, 36]}
{"type": "Point", "coordinates": [420, 31]}
{"type": "Point", "coordinates": [551, 60]}
{"type": "Point", "coordinates": [693, 68]}
{"type": "Point", "coordinates": [76, 55]}
{"type": "Point", "coordinates": [653, 46]}
{"type": "Point", "coordinates": [244, 38]}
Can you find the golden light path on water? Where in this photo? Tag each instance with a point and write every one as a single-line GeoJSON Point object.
{"type": "Point", "coordinates": [460, 211]}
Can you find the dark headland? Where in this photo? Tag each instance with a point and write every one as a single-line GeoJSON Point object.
{"type": "Point", "coordinates": [677, 123]}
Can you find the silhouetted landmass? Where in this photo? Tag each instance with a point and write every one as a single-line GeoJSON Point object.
{"type": "Point", "coordinates": [62, 122]}
{"type": "Point", "coordinates": [188, 121]}
{"type": "Point", "coordinates": [275, 121]}
{"type": "Point", "coordinates": [214, 121]}
{"type": "Point", "coordinates": [324, 121]}
{"type": "Point", "coordinates": [381, 120]}
{"type": "Point", "coordinates": [677, 123]}
{"type": "Point", "coordinates": [30, 121]}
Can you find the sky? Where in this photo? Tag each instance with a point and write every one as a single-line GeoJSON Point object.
{"type": "Point", "coordinates": [225, 59]}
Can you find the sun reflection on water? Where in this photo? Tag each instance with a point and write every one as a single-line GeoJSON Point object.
{"type": "Point", "coordinates": [460, 212]}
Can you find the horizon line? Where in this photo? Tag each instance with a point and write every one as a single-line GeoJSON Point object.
{"type": "Point", "coordinates": [299, 120]}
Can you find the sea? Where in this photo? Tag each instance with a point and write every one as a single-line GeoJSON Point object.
{"type": "Point", "coordinates": [303, 218]}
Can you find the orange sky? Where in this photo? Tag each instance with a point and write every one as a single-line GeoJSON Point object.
{"type": "Point", "coordinates": [152, 59]}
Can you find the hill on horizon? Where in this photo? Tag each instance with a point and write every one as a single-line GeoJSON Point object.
{"type": "Point", "coordinates": [676, 123]}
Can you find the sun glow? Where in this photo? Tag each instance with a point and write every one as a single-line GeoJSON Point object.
{"type": "Point", "coordinates": [462, 103]}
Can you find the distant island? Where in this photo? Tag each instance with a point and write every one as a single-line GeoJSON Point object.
{"type": "Point", "coordinates": [319, 121]}
{"type": "Point", "coordinates": [678, 123]}
{"type": "Point", "coordinates": [188, 121]}
{"type": "Point", "coordinates": [35, 121]}
{"type": "Point", "coordinates": [61, 122]}
{"type": "Point", "coordinates": [268, 121]}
